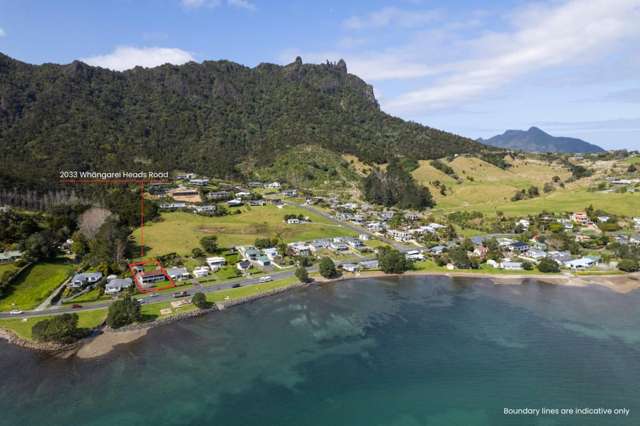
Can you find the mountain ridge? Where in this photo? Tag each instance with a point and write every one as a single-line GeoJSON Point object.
{"type": "Point", "coordinates": [206, 117]}
{"type": "Point", "coordinates": [536, 140]}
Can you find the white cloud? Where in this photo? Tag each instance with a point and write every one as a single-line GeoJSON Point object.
{"type": "Point", "coordinates": [195, 4]}
{"type": "Point", "coordinates": [126, 57]}
{"type": "Point", "coordinates": [2, 32]}
{"type": "Point", "coordinates": [543, 36]}
{"type": "Point", "coordinates": [389, 16]}
{"type": "Point", "coordinates": [242, 4]}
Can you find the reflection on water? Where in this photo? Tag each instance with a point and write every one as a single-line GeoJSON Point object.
{"type": "Point", "coordinates": [412, 351]}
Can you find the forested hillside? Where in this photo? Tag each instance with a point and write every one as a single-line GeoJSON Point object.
{"type": "Point", "coordinates": [206, 118]}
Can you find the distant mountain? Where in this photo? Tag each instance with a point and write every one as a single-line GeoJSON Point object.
{"type": "Point", "coordinates": [536, 140]}
{"type": "Point", "coordinates": [204, 117]}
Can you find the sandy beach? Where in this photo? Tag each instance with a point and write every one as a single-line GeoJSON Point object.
{"type": "Point", "coordinates": [105, 342]}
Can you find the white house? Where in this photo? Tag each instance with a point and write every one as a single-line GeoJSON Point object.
{"type": "Point", "coordinates": [116, 285]}
{"type": "Point", "coordinates": [414, 255]}
{"type": "Point", "coordinates": [201, 271]}
{"type": "Point", "coordinates": [273, 185]}
{"type": "Point", "coordinates": [271, 252]}
{"type": "Point", "coordinates": [199, 182]}
{"type": "Point", "coordinates": [349, 267]}
{"type": "Point", "coordinates": [293, 221]}
{"type": "Point", "coordinates": [178, 273]}
{"type": "Point", "coordinates": [511, 266]}
{"type": "Point", "coordinates": [85, 278]}
{"type": "Point", "coordinates": [216, 262]}
{"type": "Point", "coordinates": [582, 263]}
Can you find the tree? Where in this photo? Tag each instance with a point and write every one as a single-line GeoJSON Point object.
{"type": "Point", "coordinates": [533, 192]}
{"type": "Point", "coordinates": [61, 329]}
{"type": "Point", "coordinates": [629, 265]}
{"type": "Point", "coordinates": [200, 300]}
{"type": "Point", "coordinates": [461, 260]}
{"type": "Point", "coordinates": [328, 268]}
{"type": "Point", "coordinates": [197, 252]}
{"type": "Point", "coordinates": [632, 169]}
{"type": "Point", "coordinates": [123, 312]}
{"type": "Point", "coordinates": [209, 243]}
{"type": "Point", "coordinates": [111, 244]}
{"type": "Point", "coordinates": [527, 266]}
{"type": "Point", "coordinates": [302, 274]}
{"type": "Point", "coordinates": [393, 261]}
{"type": "Point", "coordinates": [548, 265]}
{"type": "Point", "coordinates": [41, 245]}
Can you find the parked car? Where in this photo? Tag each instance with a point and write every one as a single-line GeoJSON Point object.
{"type": "Point", "coordinates": [236, 285]}
{"type": "Point", "coordinates": [265, 279]}
{"type": "Point", "coordinates": [15, 312]}
{"type": "Point", "coordinates": [76, 306]}
{"type": "Point", "coordinates": [180, 294]}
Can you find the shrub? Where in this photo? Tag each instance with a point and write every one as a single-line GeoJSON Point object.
{"type": "Point", "coordinates": [123, 312]}
{"type": "Point", "coordinates": [302, 274]}
{"type": "Point", "coordinates": [200, 300]}
{"type": "Point", "coordinates": [393, 262]}
{"type": "Point", "coordinates": [328, 268]}
{"type": "Point", "coordinates": [61, 329]}
{"type": "Point", "coordinates": [548, 265]}
{"type": "Point", "coordinates": [629, 265]}
{"type": "Point", "coordinates": [209, 243]}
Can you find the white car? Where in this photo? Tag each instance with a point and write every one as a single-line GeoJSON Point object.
{"type": "Point", "coordinates": [265, 279]}
{"type": "Point", "coordinates": [15, 312]}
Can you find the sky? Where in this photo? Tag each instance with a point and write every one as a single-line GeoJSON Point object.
{"type": "Point", "coordinates": [476, 68]}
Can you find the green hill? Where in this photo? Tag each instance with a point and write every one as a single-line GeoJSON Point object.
{"type": "Point", "coordinates": [206, 117]}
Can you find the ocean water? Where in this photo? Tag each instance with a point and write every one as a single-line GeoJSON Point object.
{"type": "Point", "coordinates": [399, 352]}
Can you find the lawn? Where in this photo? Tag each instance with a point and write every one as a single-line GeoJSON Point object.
{"type": "Point", "coordinates": [241, 292]}
{"type": "Point", "coordinates": [91, 296]}
{"type": "Point", "coordinates": [180, 232]}
{"type": "Point", "coordinates": [22, 327]}
{"type": "Point", "coordinates": [7, 267]}
{"type": "Point", "coordinates": [35, 284]}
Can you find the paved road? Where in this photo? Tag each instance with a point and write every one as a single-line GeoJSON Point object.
{"type": "Point", "coordinates": [197, 287]}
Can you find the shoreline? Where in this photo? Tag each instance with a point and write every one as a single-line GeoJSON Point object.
{"type": "Point", "coordinates": [106, 339]}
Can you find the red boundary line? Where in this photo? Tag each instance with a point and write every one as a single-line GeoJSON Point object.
{"type": "Point", "coordinates": [147, 262]}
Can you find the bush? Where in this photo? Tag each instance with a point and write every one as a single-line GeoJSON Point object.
{"type": "Point", "coordinates": [527, 266]}
{"type": "Point", "coordinates": [209, 244]}
{"type": "Point", "coordinates": [328, 268]}
{"type": "Point", "coordinates": [303, 275]}
{"type": "Point", "coordinates": [200, 300]}
{"type": "Point", "coordinates": [61, 329]}
{"type": "Point", "coordinates": [393, 262]}
{"type": "Point", "coordinates": [123, 312]}
{"type": "Point", "coordinates": [629, 265]}
{"type": "Point", "coordinates": [548, 265]}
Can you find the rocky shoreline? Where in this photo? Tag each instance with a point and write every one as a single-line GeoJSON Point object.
{"type": "Point", "coordinates": [108, 338]}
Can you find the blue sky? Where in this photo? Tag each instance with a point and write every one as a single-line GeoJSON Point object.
{"type": "Point", "coordinates": [571, 67]}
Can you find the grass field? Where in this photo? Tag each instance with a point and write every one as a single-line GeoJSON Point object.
{"type": "Point", "coordinates": [35, 284]}
{"type": "Point", "coordinates": [181, 232]}
{"type": "Point", "coordinates": [7, 267]}
{"type": "Point", "coordinates": [242, 292]}
{"type": "Point", "coordinates": [22, 327]}
{"type": "Point", "coordinates": [491, 188]}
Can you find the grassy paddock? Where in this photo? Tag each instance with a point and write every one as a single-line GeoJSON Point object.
{"type": "Point", "coordinates": [180, 232]}
{"type": "Point", "coordinates": [35, 284]}
{"type": "Point", "coordinates": [22, 327]}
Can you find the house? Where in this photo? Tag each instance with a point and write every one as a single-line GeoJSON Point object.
{"type": "Point", "coordinates": [523, 223]}
{"type": "Point", "coordinates": [603, 219]}
{"type": "Point", "coordinates": [582, 263]}
{"type": "Point", "coordinates": [480, 251]}
{"type": "Point", "coordinates": [243, 194]}
{"type": "Point", "coordinates": [205, 209]}
{"type": "Point", "coordinates": [243, 265]}
{"type": "Point", "coordinates": [257, 203]}
{"type": "Point", "coordinates": [375, 226]}
{"type": "Point", "coordinates": [219, 195]}
{"type": "Point", "coordinates": [478, 240]}
{"type": "Point", "coordinates": [178, 273]}
{"type": "Point", "coordinates": [216, 262]}
{"type": "Point", "coordinates": [580, 218]}
{"type": "Point", "coordinates": [183, 192]}
{"type": "Point", "coordinates": [364, 237]}
{"type": "Point", "coordinates": [263, 260]}
{"type": "Point", "coordinates": [535, 254]}
{"type": "Point", "coordinates": [634, 239]}
{"type": "Point", "coordinates": [148, 279]}
{"type": "Point", "coordinates": [290, 193]}
{"type": "Point", "coordinates": [411, 216]}
{"type": "Point", "coordinates": [85, 278]}
{"type": "Point", "coordinates": [201, 271]}
{"type": "Point", "coordinates": [186, 176]}
{"type": "Point", "coordinates": [369, 264]}
{"type": "Point", "coordinates": [235, 202]}
{"type": "Point", "coordinates": [249, 252]}
{"type": "Point", "coordinates": [414, 255]}
{"type": "Point", "coordinates": [560, 257]}
{"type": "Point", "coordinates": [273, 185]}
{"type": "Point", "coordinates": [199, 182]}
{"type": "Point", "coordinates": [636, 222]}
{"type": "Point", "coordinates": [116, 285]}
{"type": "Point", "coordinates": [505, 242]}
{"type": "Point", "coordinates": [255, 184]}
{"type": "Point", "coordinates": [299, 249]}
{"type": "Point", "coordinates": [399, 235]}
{"type": "Point", "coordinates": [338, 246]}
{"type": "Point", "coordinates": [519, 247]}
{"type": "Point", "coordinates": [437, 250]}
{"type": "Point", "coordinates": [349, 267]}
{"type": "Point", "coordinates": [493, 263]}
{"type": "Point", "coordinates": [354, 243]}
{"type": "Point", "coordinates": [10, 256]}
{"type": "Point", "coordinates": [271, 252]}
{"type": "Point", "coordinates": [511, 266]}
{"type": "Point", "coordinates": [293, 221]}
{"type": "Point", "coordinates": [172, 206]}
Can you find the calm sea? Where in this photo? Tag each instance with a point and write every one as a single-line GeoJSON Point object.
{"type": "Point", "coordinates": [399, 352]}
